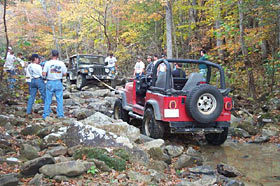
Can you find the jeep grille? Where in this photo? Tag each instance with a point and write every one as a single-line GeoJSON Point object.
{"type": "Point", "coordinates": [99, 71]}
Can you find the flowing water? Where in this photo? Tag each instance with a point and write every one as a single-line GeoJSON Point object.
{"type": "Point", "coordinates": [259, 163]}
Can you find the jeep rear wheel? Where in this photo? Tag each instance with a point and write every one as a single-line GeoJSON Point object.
{"type": "Point", "coordinates": [81, 81]}
{"type": "Point", "coordinates": [217, 138]}
{"type": "Point", "coordinates": [119, 112]}
{"type": "Point", "coordinates": [150, 126]}
{"type": "Point", "coordinates": [205, 103]}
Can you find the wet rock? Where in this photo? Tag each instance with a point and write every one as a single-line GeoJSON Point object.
{"type": "Point", "coordinates": [102, 155]}
{"type": "Point", "coordinates": [153, 144]}
{"type": "Point", "coordinates": [132, 175]}
{"type": "Point", "coordinates": [202, 170]}
{"type": "Point", "coordinates": [9, 179]}
{"type": "Point", "coordinates": [57, 151]}
{"type": "Point", "coordinates": [187, 161]}
{"type": "Point", "coordinates": [157, 165]}
{"type": "Point", "coordinates": [227, 170]}
{"type": "Point", "coordinates": [32, 167]}
{"type": "Point", "coordinates": [29, 152]}
{"type": "Point", "coordinates": [239, 133]}
{"type": "Point", "coordinates": [120, 128]}
{"type": "Point", "coordinates": [81, 134]}
{"type": "Point", "coordinates": [174, 150]}
{"type": "Point", "coordinates": [70, 168]}
{"type": "Point", "coordinates": [260, 139]}
{"type": "Point", "coordinates": [37, 180]}
{"type": "Point", "coordinates": [101, 93]}
{"type": "Point", "coordinates": [158, 154]}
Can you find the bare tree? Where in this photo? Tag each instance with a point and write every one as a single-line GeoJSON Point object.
{"type": "Point", "coordinates": [168, 19]}
{"type": "Point", "coordinates": [6, 35]}
{"type": "Point", "coordinates": [248, 63]}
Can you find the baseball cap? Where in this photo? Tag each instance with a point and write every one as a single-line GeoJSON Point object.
{"type": "Point", "coordinates": [10, 48]}
{"type": "Point", "coordinates": [33, 56]}
{"type": "Point", "coordinates": [55, 53]}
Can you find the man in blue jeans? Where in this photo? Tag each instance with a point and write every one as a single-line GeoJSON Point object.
{"type": "Point", "coordinates": [54, 70]}
{"type": "Point", "coordinates": [37, 82]}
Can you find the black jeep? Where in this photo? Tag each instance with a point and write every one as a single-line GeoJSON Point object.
{"type": "Point", "coordinates": [83, 69]}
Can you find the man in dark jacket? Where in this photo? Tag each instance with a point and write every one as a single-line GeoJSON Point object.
{"type": "Point", "coordinates": [178, 72]}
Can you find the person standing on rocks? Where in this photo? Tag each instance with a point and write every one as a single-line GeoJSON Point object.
{"type": "Point", "coordinates": [37, 82]}
{"type": "Point", "coordinates": [139, 68]}
{"type": "Point", "coordinates": [54, 70]}
{"type": "Point", "coordinates": [10, 67]}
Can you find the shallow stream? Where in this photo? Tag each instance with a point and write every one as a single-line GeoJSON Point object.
{"type": "Point", "coordinates": [259, 163]}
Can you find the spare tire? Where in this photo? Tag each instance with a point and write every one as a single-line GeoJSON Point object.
{"type": "Point", "coordinates": [204, 103]}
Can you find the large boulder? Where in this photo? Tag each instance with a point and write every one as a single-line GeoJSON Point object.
{"type": "Point", "coordinates": [70, 168]}
{"type": "Point", "coordinates": [174, 150]}
{"type": "Point", "coordinates": [86, 135]}
{"type": "Point", "coordinates": [120, 128]}
{"type": "Point", "coordinates": [32, 167]}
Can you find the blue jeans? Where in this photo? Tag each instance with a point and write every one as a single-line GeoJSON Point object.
{"type": "Point", "coordinates": [54, 87]}
{"type": "Point", "coordinates": [29, 87]}
{"type": "Point", "coordinates": [36, 84]}
{"type": "Point", "coordinates": [11, 79]}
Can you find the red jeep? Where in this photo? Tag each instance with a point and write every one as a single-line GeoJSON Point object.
{"type": "Point", "coordinates": [178, 105]}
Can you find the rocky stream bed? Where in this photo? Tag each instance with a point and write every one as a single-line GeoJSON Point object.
{"type": "Point", "coordinates": [88, 147]}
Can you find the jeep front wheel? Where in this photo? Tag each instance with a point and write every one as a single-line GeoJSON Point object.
{"type": "Point", "coordinates": [81, 81]}
{"type": "Point", "coordinates": [150, 126]}
{"type": "Point", "coordinates": [119, 112]}
{"type": "Point", "coordinates": [205, 103]}
{"type": "Point", "coordinates": [217, 138]}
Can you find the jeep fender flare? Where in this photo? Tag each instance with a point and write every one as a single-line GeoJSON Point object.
{"type": "Point", "coordinates": [123, 100]}
{"type": "Point", "coordinates": [155, 106]}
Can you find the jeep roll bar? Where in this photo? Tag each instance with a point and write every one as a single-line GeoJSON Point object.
{"type": "Point", "coordinates": [187, 61]}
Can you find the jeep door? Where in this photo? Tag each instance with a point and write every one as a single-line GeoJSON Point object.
{"type": "Point", "coordinates": [73, 68]}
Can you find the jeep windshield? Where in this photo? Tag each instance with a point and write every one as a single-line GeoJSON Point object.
{"type": "Point", "coordinates": [87, 59]}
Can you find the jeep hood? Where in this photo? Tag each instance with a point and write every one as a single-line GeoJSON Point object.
{"type": "Point", "coordinates": [90, 66]}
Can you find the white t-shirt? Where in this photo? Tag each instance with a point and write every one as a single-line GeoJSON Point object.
{"type": "Point", "coordinates": [27, 75]}
{"type": "Point", "coordinates": [111, 61]}
{"type": "Point", "coordinates": [10, 62]}
{"type": "Point", "coordinates": [139, 66]}
{"type": "Point", "coordinates": [54, 69]}
{"type": "Point", "coordinates": [34, 70]}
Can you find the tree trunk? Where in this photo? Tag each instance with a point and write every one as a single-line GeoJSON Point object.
{"type": "Point", "coordinates": [218, 18]}
{"type": "Point", "coordinates": [264, 49]}
{"type": "Point", "coordinates": [193, 12]}
{"type": "Point", "coordinates": [168, 20]}
{"type": "Point", "coordinates": [248, 64]}
{"type": "Point", "coordinates": [7, 38]}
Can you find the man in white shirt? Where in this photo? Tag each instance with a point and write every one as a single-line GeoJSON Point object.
{"type": "Point", "coordinates": [111, 63]}
{"type": "Point", "coordinates": [37, 82]}
{"type": "Point", "coordinates": [9, 67]}
{"type": "Point", "coordinates": [139, 68]}
{"type": "Point", "coordinates": [54, 70]}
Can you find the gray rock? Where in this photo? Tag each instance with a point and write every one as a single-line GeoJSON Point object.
{"type": "Point", "coordinates": [29, 152]}
{"type": "Point", "coordinates": [32, 167]}
{"type": "Point", "coordinates": [31, 130]}
{"type": "Point", "coordinates": [111, 100]}
{"type": "Point", "coordinates": [8, 126]}
{"type": "Point", "coordinates": [83, 113]}
{"type": "Point", "coordinates": [120, 128]}
{"type": "Point", "coordinates": [67, 102]}
{"type": "Point", "coordinates": [57, 151]}
{"type": "Point", "coordinates": [227, 170]}
{"type": "Point", "coordinates": [101, 93]}
{"type": "Point", "coordinates": [73, 149]}
{"type": "Point", "coordinates": [81, 134]}
{"type": "Point", "coordinates": [45, 131]}
{"type": "Point", "coordinates": [60, 159]}
{"type": "Point", "coordinates": [144, 139]}
{"type": "Point", "coordinates": [249, 127]}
{"type": "Point", "coordinates": [37, 180]}
{"type": "Point", "coordinates": [132, 175]}
{"type": "Point", "coordinates": [239, 133]}
{"type": "Point", "coordinates": [153, 144]}
{"type": "Point", "coordinates": [205, 180]}
{"type": "Point", "coordinates": [202, 170]}
{"type": "Point", "coordinates": [61, 178]}
{"type": "Point", "coordinates": [192, 152]}
{"type": "Point", "coordinates": [158, 154]}
{"type": "Point", "coordinates": [138, 156]}
{"type": "Point", "coordinates": [157, 177]}
{"type": "Point", "coordinates": [3, 120]}
{"type": "Point", "coordinates": [174, 150]}
{"type": "Point", "coordinates": [70, 168]}
{"type": "Point", "coordinates": [66, 95]}
{"type": "Point", "coordinates": [269, 132]}
{"type": "Point", "coordinates": [157, 165]}
{"type": "Point", "coordinates": [101, 165]}
{"type": "Point", "coordinates": [229, 182]}
{"type": "Point", "coordinates": [187, 161]}
{"type": "Point", "coordinates": [54, 137]}
{"type": "Point", "coordinates": [9, 180]}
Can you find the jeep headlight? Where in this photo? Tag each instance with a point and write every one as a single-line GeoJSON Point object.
{"type": "Point", "coordinates": [107, 70]}
{"type": "Point", "coordinates": [91, 69]}
{"type": "Point", "coordinates": [84, 70]}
